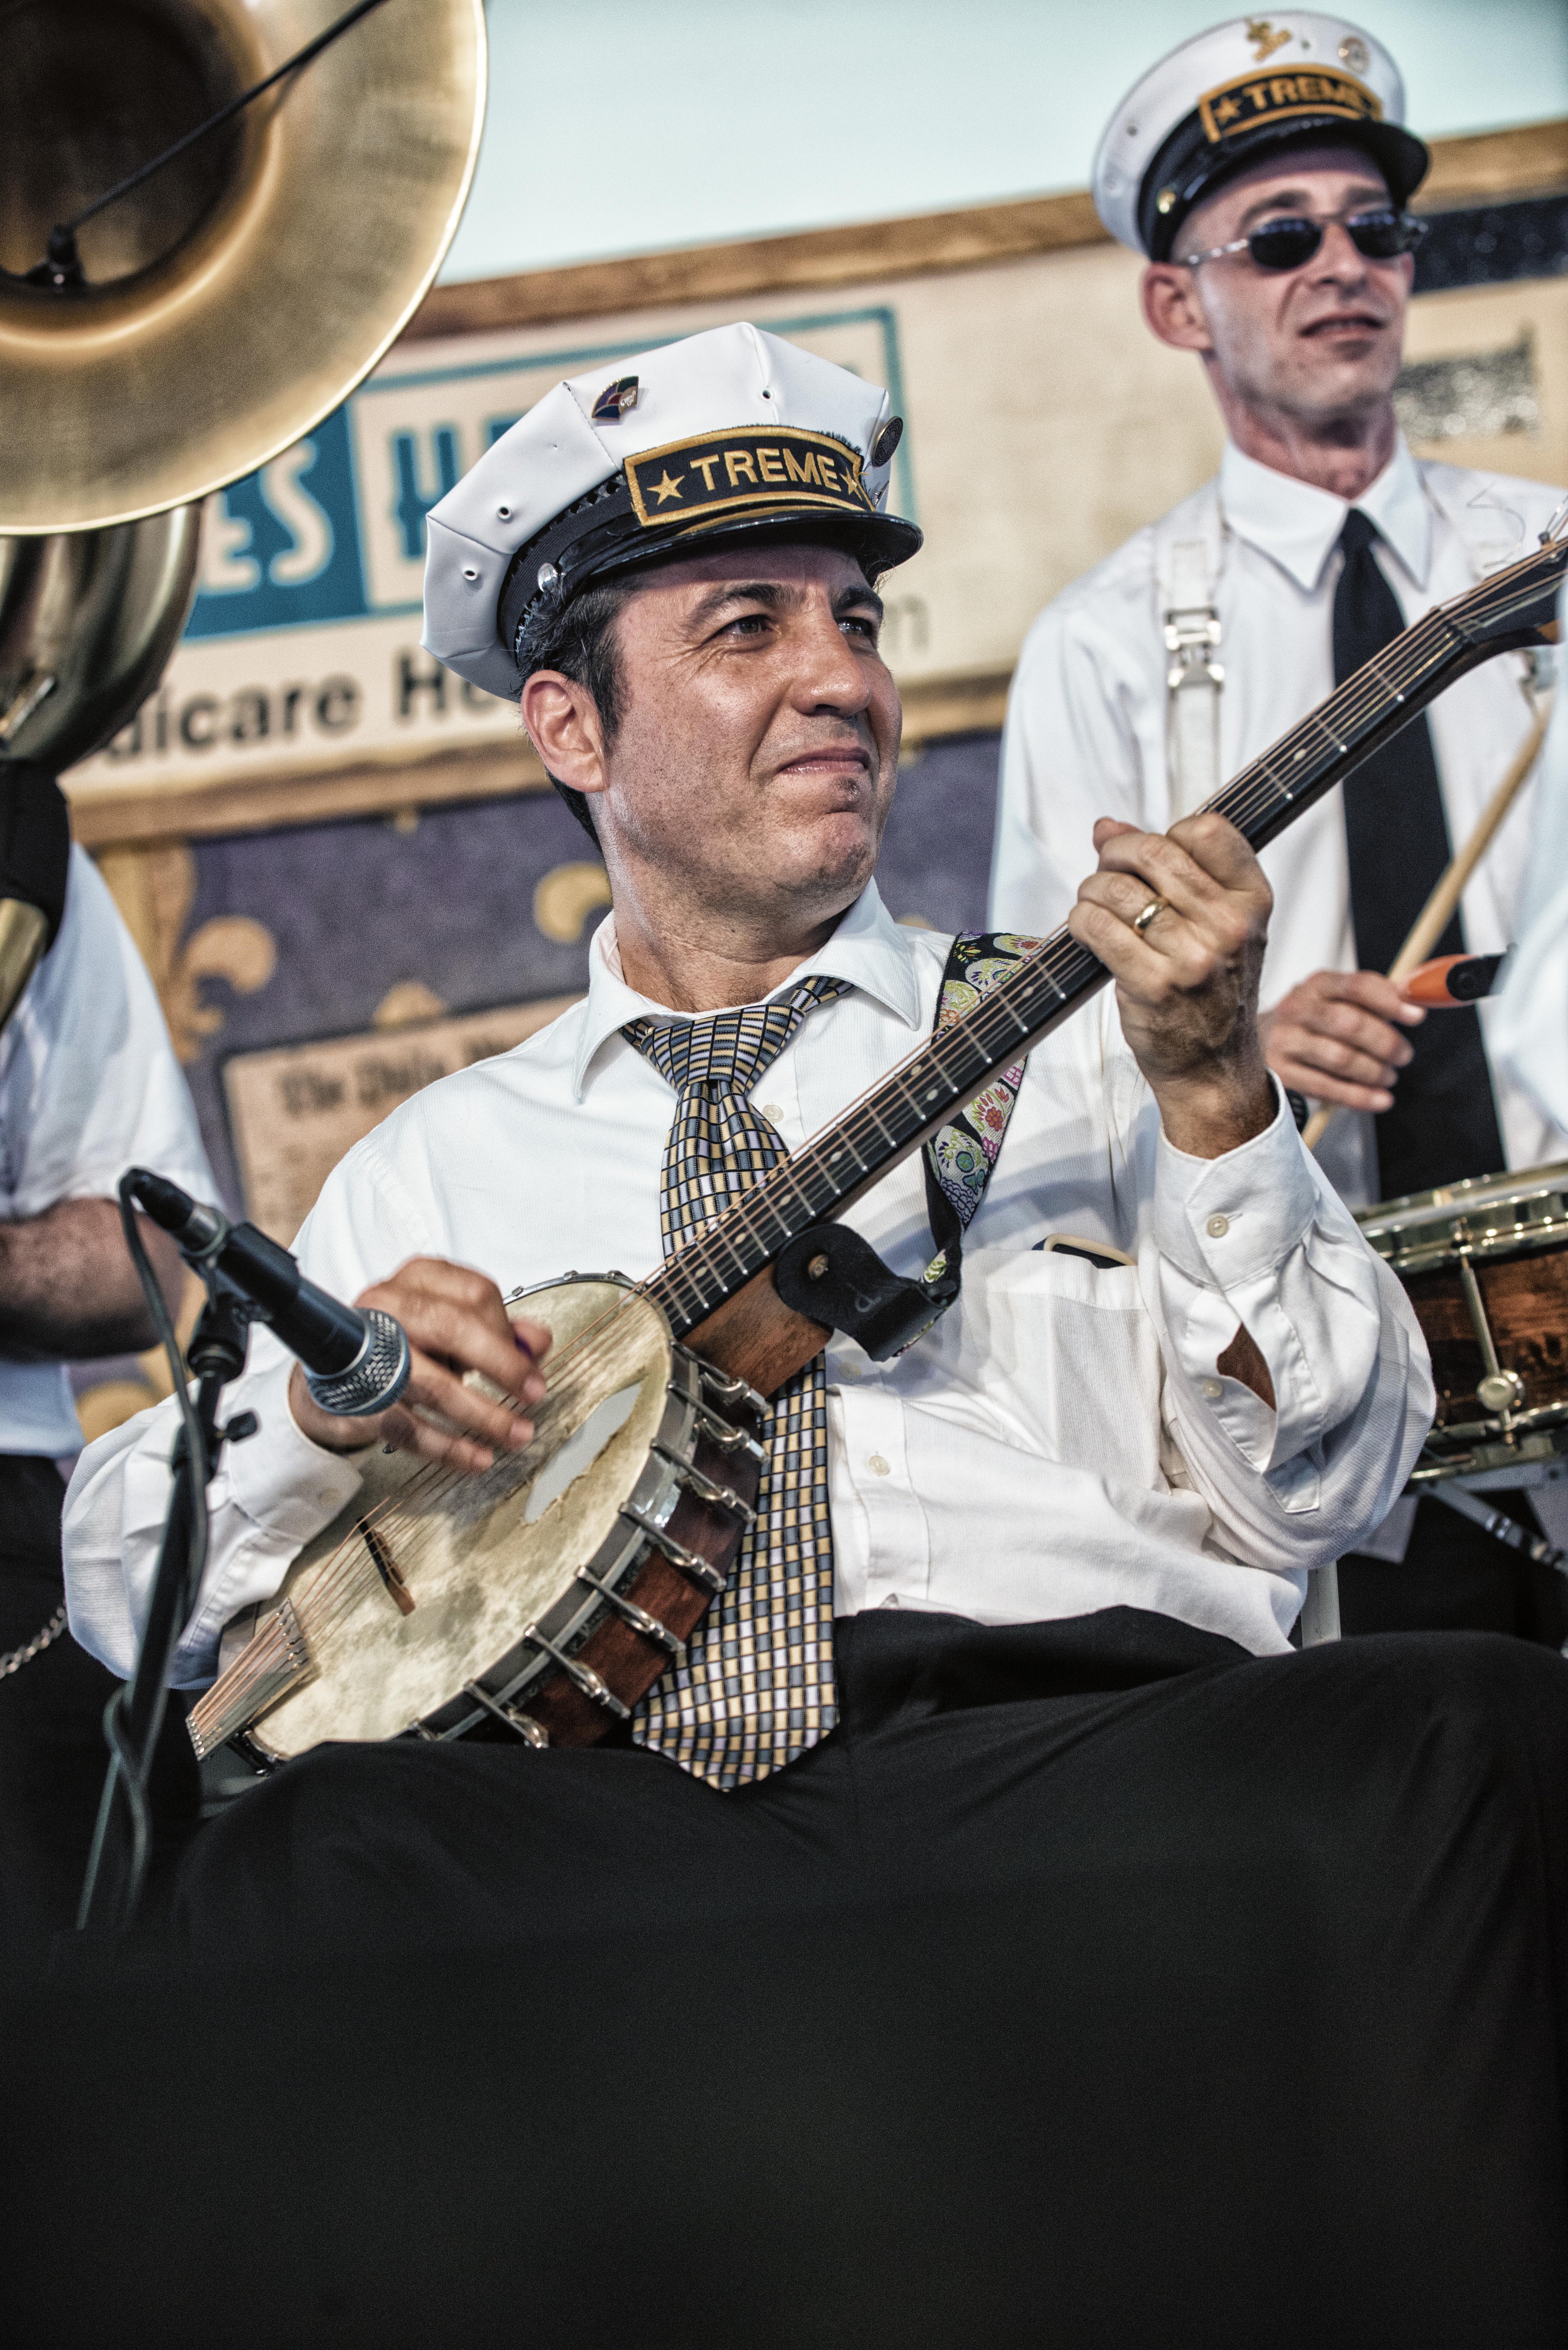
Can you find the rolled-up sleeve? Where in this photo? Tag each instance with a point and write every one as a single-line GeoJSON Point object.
{"type": "Point", "coordinates": [1257, 1238]}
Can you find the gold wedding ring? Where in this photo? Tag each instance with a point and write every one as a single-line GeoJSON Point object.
{"type": "Point", "coordinates": [1141, 922]}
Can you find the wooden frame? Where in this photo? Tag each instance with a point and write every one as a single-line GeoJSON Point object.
{"type": "Point", "coordinates": [1494, 164]}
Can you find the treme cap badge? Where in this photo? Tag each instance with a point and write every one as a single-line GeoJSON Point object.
{"type": "Point", "coordinates": [1254, 99]}
{"type": "Point", "coordinates": [750, 470]}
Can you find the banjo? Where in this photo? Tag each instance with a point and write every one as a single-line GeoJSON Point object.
{"type": "Point", "coordinates": [544, 1596]}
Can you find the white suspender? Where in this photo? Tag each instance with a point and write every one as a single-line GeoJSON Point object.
{"type": "Point", "coordinates": [1187, 571]}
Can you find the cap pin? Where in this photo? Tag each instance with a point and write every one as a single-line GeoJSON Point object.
{"type": "Point", "coordinates": [886, 440]}
{"type": "Point", "coordinates": [615, 400]}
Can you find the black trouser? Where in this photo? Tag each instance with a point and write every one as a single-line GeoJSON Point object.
{"type": "Point", "coordinates": [52, 1752]}
{"type": "Point", "coordinates": [1455, 1577]}
{"type": "Point", "coordinates": [1093, 1984]}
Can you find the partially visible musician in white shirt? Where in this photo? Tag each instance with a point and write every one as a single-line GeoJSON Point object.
{"type": "Point", "coordinates": [1270, 205]}
{"type": "Point", "coordinates": [1534, 1004]}
{"type": "Point", "coordinates": [88, 1086]}
{"type": "Point", "coordinates": [1069, 1527]}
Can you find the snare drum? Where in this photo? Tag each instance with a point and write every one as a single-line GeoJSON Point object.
{"type": "Point", "coordinates": [1485, 1265]}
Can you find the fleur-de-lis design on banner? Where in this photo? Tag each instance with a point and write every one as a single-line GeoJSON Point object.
{"type": "Point", "coordinates": [155, 889]}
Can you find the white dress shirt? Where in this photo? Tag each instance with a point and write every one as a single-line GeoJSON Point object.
{"type": "Point", "coordinates": [1530, 1017]}
{"type": "Point", "coordinates": [88, 1087]}
{"type": "Point", "coordinates": [1060, 1443]}
{"type": "Point", "coordinates": [1086, 720]}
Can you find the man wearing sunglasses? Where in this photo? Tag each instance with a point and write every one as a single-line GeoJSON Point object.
{"type": "Point", "coordinates": [1264, 170]}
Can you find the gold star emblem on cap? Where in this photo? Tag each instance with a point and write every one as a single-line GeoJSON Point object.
{"type": "Point", "coordinates": [665, 489]}
{"type": "Point", "coordinates": [1227, 110]}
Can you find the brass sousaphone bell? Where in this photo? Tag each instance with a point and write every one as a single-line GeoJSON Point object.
{"type": "Point", "coordinates": [225, 306]}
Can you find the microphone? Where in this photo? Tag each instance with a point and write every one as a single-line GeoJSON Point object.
{"type": "Point", "coordinates": [354, 1363]}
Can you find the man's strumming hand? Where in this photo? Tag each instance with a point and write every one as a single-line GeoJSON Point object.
{"type": "Point", "coordinates": [456, 1323]}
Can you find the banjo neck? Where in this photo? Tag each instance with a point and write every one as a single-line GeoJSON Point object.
{"type": "Point", "coordinates": [1511, 609]}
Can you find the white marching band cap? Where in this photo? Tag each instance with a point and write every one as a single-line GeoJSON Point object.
{"type": "Point", "coordinates": [1225, 97]}
{"type": "Point", "coordinates": [717, 439]}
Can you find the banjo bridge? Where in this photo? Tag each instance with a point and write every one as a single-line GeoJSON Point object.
{"type": "Point", "coordinates": [386, 1566]}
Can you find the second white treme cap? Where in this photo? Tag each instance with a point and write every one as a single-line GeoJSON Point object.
{"type": "Point", "coordinates": [1225, 97]}
{"type": "Point", "coordinates": [722, 437]}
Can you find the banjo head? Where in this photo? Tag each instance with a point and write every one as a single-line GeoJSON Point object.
{"type": "Point", "coordinates": [482, 1558]}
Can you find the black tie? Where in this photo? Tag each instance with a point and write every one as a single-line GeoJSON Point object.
{"type": "Point", "coordinates": [1443, 1125]}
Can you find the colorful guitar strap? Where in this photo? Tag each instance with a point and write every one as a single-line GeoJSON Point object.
{"type": "Point", "coordinates": [960, 1158]}
{"type": "Point", "coordinates": [832, 1276]}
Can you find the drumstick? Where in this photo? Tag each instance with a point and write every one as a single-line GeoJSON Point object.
{"type": "Point", "coordinates": [1435, 915]}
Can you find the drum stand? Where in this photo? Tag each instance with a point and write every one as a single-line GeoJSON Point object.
{"type": "Point", "coordinates": [1465, 1496]}
{"type": "Point", "coordinates": [121, 1846]}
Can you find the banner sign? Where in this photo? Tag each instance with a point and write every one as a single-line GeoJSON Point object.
{"type": "Point", "coordinates": [302, 651]}
{"type": "Point", "coordinates": [1043, 424]}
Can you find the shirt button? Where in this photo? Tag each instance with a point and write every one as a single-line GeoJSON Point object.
{"type": "Point", "coordinates": [1210, 1389]}
{"type": "Point", "coordinates": [1217, 1227]}
{"type": "Point", "coordinates": [878, 1466]}
{"type": "Point", "coordinates": [772, 1110]}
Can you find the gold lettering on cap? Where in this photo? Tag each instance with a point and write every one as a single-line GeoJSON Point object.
{"type": "Point", "coordinates": [739, 471]}
{"type": "Point", "coordinates": [1236, 107]}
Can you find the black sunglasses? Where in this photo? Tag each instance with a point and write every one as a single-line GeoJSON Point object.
{"type": "Point", "coordinates": [1286, 244]}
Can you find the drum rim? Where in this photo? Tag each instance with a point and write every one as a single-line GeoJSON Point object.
{"type": "Point", "coordinates": [1452, 1204]}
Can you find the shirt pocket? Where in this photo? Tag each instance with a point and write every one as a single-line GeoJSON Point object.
{"type": "Point", "coordinates": [1053, 1355]}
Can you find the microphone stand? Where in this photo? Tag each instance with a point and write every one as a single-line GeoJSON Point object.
{"type": "Point", "coordinates": [121, 1847]}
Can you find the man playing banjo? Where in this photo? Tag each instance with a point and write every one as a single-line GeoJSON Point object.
{"type": "Point", "coordinates": [1017, 1602]}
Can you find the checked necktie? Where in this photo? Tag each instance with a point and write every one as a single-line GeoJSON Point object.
{"type": "Point", "coordinates": [756, 1686]}
{"type": "Point", "coordinates": [1443, 1125]}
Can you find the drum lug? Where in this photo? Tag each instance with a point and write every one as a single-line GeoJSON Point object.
{"type": "Point", "coordinates": [582, 1676]}
{"type": "Point", "coordinates": [676, 1553]}
{"type": "Point", "coordinates": [637, 1618]}
{"type": "Point", "coordinates": [725, 1435]}
{"type": "Point", "coordinates": [719, 1497]}
{"type": "Point", "coordinates": [532, 1733]}
{"type": "Point", "coordinates": [1500, 1390]}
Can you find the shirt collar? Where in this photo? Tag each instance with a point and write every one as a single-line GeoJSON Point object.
{"type": "Point", "coordinates": [1298, 524]}
{"type": "Point", "coordinates": [868, 949]}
